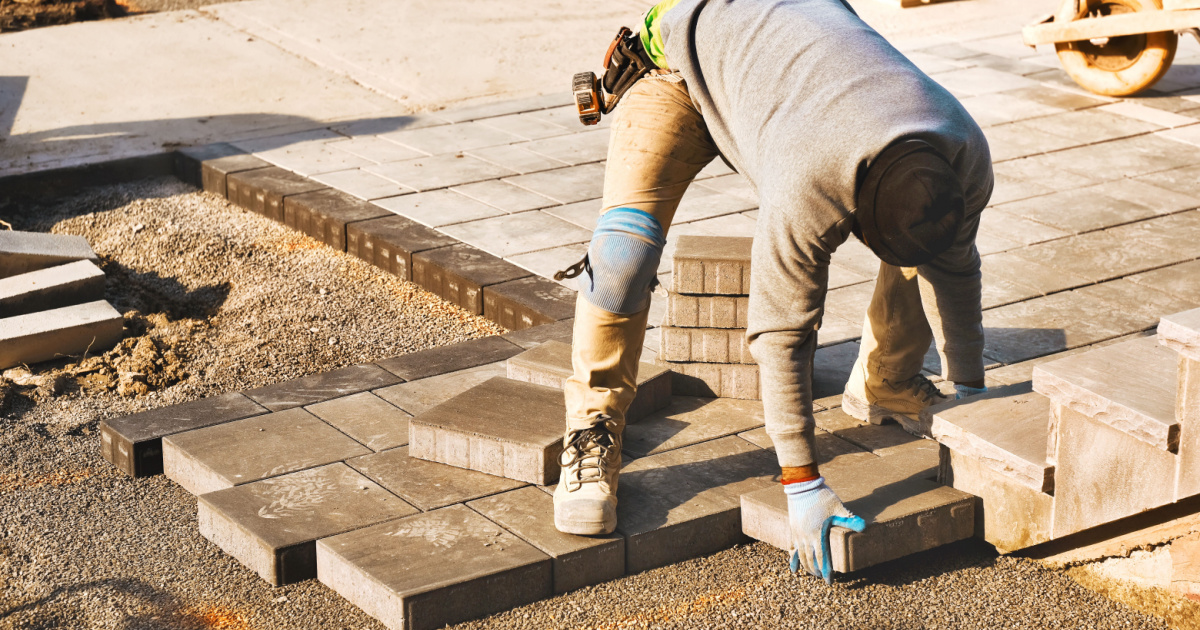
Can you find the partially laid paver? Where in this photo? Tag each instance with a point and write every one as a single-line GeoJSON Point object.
{"type": "Point", "coordinates": [243, 451]}
{"type": "Point", "coordinates": [263, 190]}
{"type": "Point", "coordinates": [325, 214]}
{"type": "Point", "coordinates": [134, 443]}
{"type": "Point", "coordinates": [418, 396]}
{"type": "Point", "coordinates": [688, 421]}
{"type": "Point", "coordinates": [318, 387]}
{"type": "Point", "coordinates": [452, 358]}
{"type": "Point", "coordinates": [389, 242]}
{"type": "Point", "coordinates": [549, 364]}
{"type": "Point", "coordinates": [528, 302]}
{"type": "Point", "coordinates": [61, 332]}
{"type": "Point", "coordinates": [579, 561]}
{"type": "Point", "coordinates": [905, 514]}
{"type": "Point", "coordinates": [271, 526]}
{"type": "Point", "coordinates": [428, 485]}
{"type": "Point", "coordinates": [1010, 515]}
{"type": "Point", "coordinates": [501, 427]}
{"type": "Point", "coordinates": [711, 265]}
{"type": "Point", "coordinates": [705, 345]}
{"type": "Point", "coordinates": [459, 274]}
{"type": "Point", "coordinates": [370, 420]}
{"type": "Point", "coordinates": [684, 503]}
{"type": "Point", "coordinates": [22, 252]}
{"type": "Point", "coordinates": [50, 288]}
{"type": "Point", "coordinates": [433, 569]}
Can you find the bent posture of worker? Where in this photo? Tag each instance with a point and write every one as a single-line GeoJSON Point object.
{"type": "Point", "coordinates": [839, 134]}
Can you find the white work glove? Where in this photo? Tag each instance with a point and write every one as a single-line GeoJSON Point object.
{"type": "Point", "coordinates": [812, 510]}
{"type": "Point", "coordinates": [962, 391]}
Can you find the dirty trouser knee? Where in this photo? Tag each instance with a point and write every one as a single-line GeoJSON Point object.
{"type": "Point", "coordinates": [896, 333]}
{"type": "Point", "coordinates": [658, 144]}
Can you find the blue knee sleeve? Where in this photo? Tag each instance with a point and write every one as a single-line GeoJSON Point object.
{"type": "Point", "coordinates": [623, 255]}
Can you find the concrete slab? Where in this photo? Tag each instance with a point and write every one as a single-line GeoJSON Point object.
{"type": "Point", "coordinates": [1047, 325]}
{"type": "Point", "coordinates": [325, 215]}
{"type": "Point", "coordinates": [829, 446]}
{"type": "Point", "coordinates": [711, 265]}
{"type": "Point", "coordinates": [439, 171]}
{"type": "Point", "coordinates": [699, 311]}
{"type": "Point", "coordinates": [452, 358]}
{"type": "Point", "coordinates": [428, 485]}
{"type": "Point", "coordinates": [688, 421]}
{"type": "Point", "coordinates": [377, 149]}
{"type": "Point", "coordinates": [1104, 474]}
{"type": "Point", "coordinates": [22, 252]}
{"type": "Point", "coordinates": [1142, 306]}
{"type": "Point", "coordinates": [243, 451]}
{"type": "Point", "coordinates": [549, 364]}
{"type": "Point", "coordinates": [1181, 333]}
{"type": "Point", "coordinates": [271, 526]}
{"type": "Point", "coordinates": [715, 380]}
{"type": "Point", "coordinates": [312, 157]}
{"type": "Point", "coordinates": [1005, 429]}
{"type": "Point", "coordinates": [134, 443]}
{"type": "Point", "coordinates": [1079, 210]}
{"type": "Point", "coordinates": [501, 427]}
{"type": "Point", "coordinates": [214, 172]}
{"type": "Point", "coordinates": [527, 302]}
{"type": "Point", "coordinates": [418, 396]}
{"type": "Point", "coordinates": [89, 327]}
{"type": "Point", "coordinates": [262, 190]}
{"type": "Point", "coordinates": [439, 208]}
{"type": "Point", "coordinates": [565, 185]}
{"type": "Point", "coordinates": [905, 515]}
{"type": "Point", "coordinates": [579, 561]}
{"type": "Point", "coordinates": [509, 235]}
{"type": "Point", "coordinates": [318, 387]}
{"type": "Point", "coordinates": [361, 184]}
{"type": "Point", "coordinates": [1187, 409]}
{"type": "Point", "coordinates": [516, 157]}
{"type": "Point", "coordinates": [880, 439]}
{"type": "Point", "coordinates": [1182, 280]}
{"type": "Point", "coordinates": [538, 335]}
{"type": "Point", "coordinates": [51, 288]}
{"type": "Point", "coordinates": [390, 242]}
{"type": "Point", "coordinates": [705, 345]}
{"type": "Point", "coordinates": [459, 274]}
{"type": "Point", "coordinates": [1100, 385]}
{"type": "Point", "coordinates": [451, 138]}
{"type": "Point", "coordinates": [504, 196]}
{"type": "Point", "coordinates": [1009, 515]}
{"type": "Point", "coordinates": [433, 569]}
{"type": "Point", "coordinates": [368, 419]}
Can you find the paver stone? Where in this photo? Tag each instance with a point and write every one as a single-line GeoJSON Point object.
{"type": "Point", "coordinates": [688, 421]}
{"type": "Point", "coordinates": [22, 252]}
{"type": "Point", "coordinates": [325, 214]}
{"type": "Point", "coordinates": [1009, 515]}
{"type": "Point", "coordinates": [51, 288]}
{"type": "Point", "coordinates": [318, 387]}
{"type": "Point", "coordinates": [428, 485]}
{"type": "Point", "coordinates": [452, 358]}
{"type": "Point", "coordinates": [390, 242]}
{"type": "Point", "coordinates": [417, 396]}
{"type": "Point", "coordinates": [93, 327]}
{"type": "Point", "coordinates": [527, 302]}
{"type": "Point", "coordinates": [459, 274]}
{"type": "Point", "coordinates": [367, 418]}
{"type": "Point", "coordinates": [262, 190]}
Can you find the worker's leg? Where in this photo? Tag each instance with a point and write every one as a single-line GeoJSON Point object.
{"type": "Point", "coordinates": [657, 146]}
{"type": "Point", "coordinates": [886, 381]}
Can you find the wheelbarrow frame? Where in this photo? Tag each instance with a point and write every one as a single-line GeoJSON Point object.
{"type": "Point", "coordinates": [1050, 31]}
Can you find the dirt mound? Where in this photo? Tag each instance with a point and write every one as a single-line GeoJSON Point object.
{"type": "Point", "coordinates": [18, 15]}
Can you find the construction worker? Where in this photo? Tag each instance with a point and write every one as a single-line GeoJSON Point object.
{"type": "Point", "coordinates": [840, 135]}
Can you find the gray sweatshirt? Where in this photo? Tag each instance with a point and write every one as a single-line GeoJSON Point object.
{"type": "Point", "coordinates": [799, 96]}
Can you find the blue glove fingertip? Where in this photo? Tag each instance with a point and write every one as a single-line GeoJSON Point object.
{"type": "Point", "coordinates": [855, 523]}
{"type": "Point", "coordinates": [794, 565]}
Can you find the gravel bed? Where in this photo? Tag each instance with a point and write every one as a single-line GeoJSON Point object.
{"type": "Point", "coordinates": [228, 300]}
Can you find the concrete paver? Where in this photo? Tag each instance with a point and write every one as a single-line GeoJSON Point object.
{"type": "Point", "coordinates": [361, 184]}
{"type": "Point", "coordinates": [1011, 515]}
{"type": "Point", "coordinates": [688, 421]}
{"type": "Point", "coordinates": [428, 485]}
{"type": "Point", "coordinates": [65, 331]}
{"type": "Point", "coordinates": [50, 288]}
{"type": "Point", "coordinates": [438, 171]}
{"type": "Point", "coordinates": [368, 419]}
{"type": "Point", "coordinates": [390, 242]}
{"type": "Point", "coordinates": [459, 274]}
{"type": "Point", "coordinates": [22, 252]}
{"type": "Point", "coordinates": [528, 302]}
{"type": "Point", "coordinates": [454, 358]}
{"type": "Point", "coordinates": [318, 387]}
{"type": "Point", "coordinates": [418, 396]}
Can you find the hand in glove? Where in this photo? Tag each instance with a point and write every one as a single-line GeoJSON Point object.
{"type": "Point", "coordinates": [812, 510]}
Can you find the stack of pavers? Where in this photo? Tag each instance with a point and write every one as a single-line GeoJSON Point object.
{"type": "Point", "coordinates": [704, 332]}
{"type": "Point", "coordinates": [51, 299]}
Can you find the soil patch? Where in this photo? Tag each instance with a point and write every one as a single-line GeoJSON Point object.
{"type": "Point", "coordinates": [20, 15]}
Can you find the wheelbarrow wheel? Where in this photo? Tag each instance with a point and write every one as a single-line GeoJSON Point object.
{"type": "Point", "coordinates": [1119, 66]}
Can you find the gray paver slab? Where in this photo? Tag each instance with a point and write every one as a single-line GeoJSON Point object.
{"type": "Point", "coordinates": [22, 252]}
{"type": "Point", "coordinates": [263, 190]}
{"type": "Point", "coordinates": [516, 157]}
{"type": "Point", "coordinates": [368, 419]}
{"type": "Point", "coordinates": [1046, 325]}
{"type": "Point", "coordinates": [698, 311]}
{"type": "Point", "coordinates": [565, 185]}
{"type": "Point", "coordinates": [1104, 474]}
{"type": "Point", "coordinates": [1014, 268]}
{"type": "Point", "coordinates": [918, 459]}
{"type": "Point", "coordinates": [312, 158]}
{"type": "Point", "coordinates": [577, 148]}
{"type": "Point", "coordinates": [324, 214]}
{"type": "Point", "coordinates": [688, 421]}
{"type": "Point", "coordinates": [438, 208]}
{"type": "Point", "coordinates": [318, 387]}
{"type": "Point", "coordinates": [1010, 515]}
{"type": "Point", "coordinates": [1018, 140]}
{"type": "Point", "coordinates": [459, 274]}
{"type": "Point", "coordinates": [1004, 429]}
{"type": "Point", "coordinates": [581, 213]}
{"type": "Point", "coordinates": [705, 345]}
{"type": "Point", "coordinates": [1040, 175]}
{"type": "Point", "coordinates": [501, 427]}
{"type": "Point", "coordinates": [997, 221]}
{"type": "Point", "coordinates": [733, 184]}
{"type": "Point", "coordinates": [1128, 157]}
{"type": "Point", "coordinates": [527, 302]}
{"type": "Point", "coordinates": [579, 561]}
{"type": "Point", "coordinates": [850, 303]}
{"type": "Point", "coordinates": [375, 149]}
{"type": "Point", "coordinates": [504, 196]}
{"type": "Point", "coordinates": [998, 108]}
{"type": "Point", "coordinates": [549, 364]}
{"type": "Point", "coordinates": [982, 81]}
{"type": "Point", "coordinates": [1100, 385]}
{"type": "Point", "coordinates": [905, 514]}
{"type": "Point", "coordinates": [51, 288]}
{"type": "Point", "coordinates": [451, 358]}
{"type": "Point", "coordinates": [1090, 126]}
{"type": "Point", "coordinates": [454, 138]}
{"type": "Point", "coordinates": [134, 443]}
{"type": "Point", "coordinates": [433, 569]}
{"type": "Point", "coordinates": [1173, 234]}
{"type": "Point", "coordinates": [1009, 187]}
{"type": "Point", "coordinates": [1161, 200]}
{"type": "Point", "coordinates": [702, 203]}
{"type": "Point", "coordinates": [829, 446]}
{"type": "Point", "coordinates": [428, 485]}
{"type": "Point", "coordinates": [242, 451]}
{"type": "Point", "coordinates": [1139, 304]}
{"type": "Point", "coordinates": [417, 396]}
{"type": "Point", "coordinates": [526, 126]}
{"type": "Point", "coordinates": [880, 439]}
{"type": "Point", "coordinates": [547, 262]}
{"type": "Point", "coordinates": [439, 171]}
{"type": "Point", "coordinates": [361, 184]}
{"type": "Point", "coordinates": [831, 368]}
{"type": "Point", "coordinates": [712, 265]}
{"type": "Point", "coordinates": [70, 330]}
{"type": "Point", "coordinates": [518, 233]}
{"type": "Point", "coordinates": [271, 526]}
{"type": "Point", "coordinates": [684, 503]}
{"type": "Point", "coordinates": [389, 242]}
{"type": "Point", "coordinates": [1056, 98]}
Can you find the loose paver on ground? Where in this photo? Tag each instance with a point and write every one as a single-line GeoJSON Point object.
{"type": "Point", "coordinates": [549, 364]}
{"type": "Point", "coordinates": [22, 252]}
{"type": "Point", "coordinates": [272, 526]}
{"type": "Point", "coordinates": [501, 427]}
{"type": "Point", "coordinates": [242, 451]}
{"type": "Point", "coordinates": [70, 330]}
{"type": "Point", "coordinates": [51, 288]}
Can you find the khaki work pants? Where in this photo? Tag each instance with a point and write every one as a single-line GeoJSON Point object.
{"type": "Point", "coordinates": [658, 143]}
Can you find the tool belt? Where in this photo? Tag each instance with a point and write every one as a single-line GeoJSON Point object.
{"type": "Point", "coordinates": [625, 62]}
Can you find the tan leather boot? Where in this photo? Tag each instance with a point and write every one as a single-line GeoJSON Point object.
{"type": "Point", "coordinates": [875, 399]}
{"type": "Point", "coordinates": [585, 501]}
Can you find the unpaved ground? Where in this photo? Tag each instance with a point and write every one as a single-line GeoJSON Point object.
{"type": "Point", "coordinates": [20, 15]}
{"type": "Point", "coordinates": [229, 301]}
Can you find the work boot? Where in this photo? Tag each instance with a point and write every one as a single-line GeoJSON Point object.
{"type": "Point", "coordinates": [585, 501]}
{"type": "Point", "coordinates": [874, 399]}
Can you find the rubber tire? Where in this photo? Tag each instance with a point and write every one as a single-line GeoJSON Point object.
{"type": "Point", "coordinates": [1151, 63]}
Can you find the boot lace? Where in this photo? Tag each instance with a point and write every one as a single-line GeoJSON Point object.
{"type": "Point", "coordinates": [923, 386]}
{"type": "Point", "coordinates": [586, 456]}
